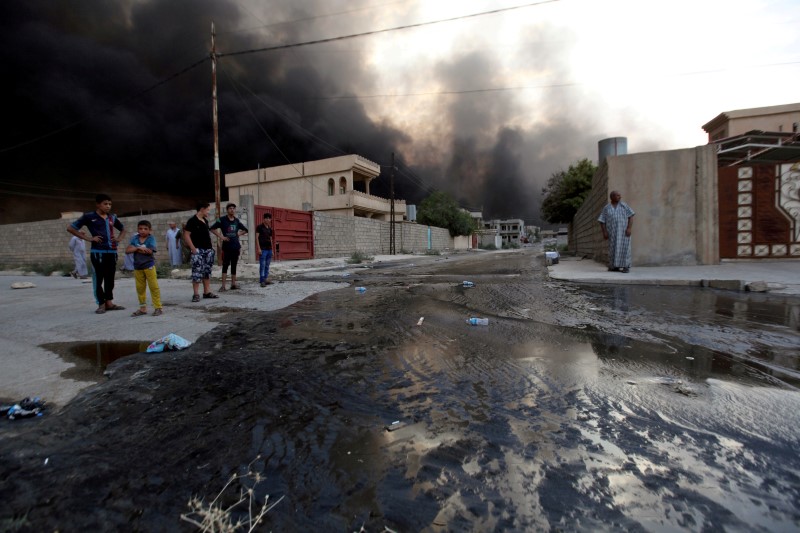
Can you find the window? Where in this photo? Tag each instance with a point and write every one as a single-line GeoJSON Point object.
{"type": "Point", "coordinates": [342, 185]}
{"type": "Point", "coordinates": [330, 187]}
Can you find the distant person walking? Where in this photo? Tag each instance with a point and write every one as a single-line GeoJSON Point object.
{"type": "Point", "coordinates": [616, 221]}
{"type": "Point", "coordinates": [174, 244]}
{"type": "Point", "coordinates": [143, 248]}
{"type": "Point", "coordinates": [103, 252]}
{"type": "Point", "coordinates": [264, 249]}
{"type": "Point", "coordinates": [197, 237]}
{"type": "Point", "coordinates": [232, 228]}
{"type": "Point", "coordinates": [78, 249]}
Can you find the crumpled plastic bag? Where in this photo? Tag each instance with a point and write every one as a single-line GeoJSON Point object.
{"type": "Point", "coordinates": [168, 342]}
{"type": "Point", "coordinates": [26, 408]}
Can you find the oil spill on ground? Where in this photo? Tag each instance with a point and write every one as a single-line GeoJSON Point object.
{"type": "Point", "coordinates": [92, 358]}
{"type": "Point", "coordinates": [521, 425]}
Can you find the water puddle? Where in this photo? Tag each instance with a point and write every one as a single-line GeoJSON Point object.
{"type": "Point", "coordinates": [92, 358]}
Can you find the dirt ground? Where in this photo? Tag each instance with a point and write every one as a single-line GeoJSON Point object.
{"type": "Point", "coordinates": [574, 409]}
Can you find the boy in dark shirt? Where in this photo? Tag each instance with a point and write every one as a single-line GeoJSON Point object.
{"type": "Point", "coordinates": [232, 228]}
{"type": "Point", "coordinates": [264, 232]}
{"type": "Point", "coordinates": [103, 254]}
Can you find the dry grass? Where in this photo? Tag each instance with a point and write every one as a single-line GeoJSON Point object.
{"type": "Point", "coordinates": [214, 517]}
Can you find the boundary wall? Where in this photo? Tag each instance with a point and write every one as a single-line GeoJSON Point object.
{"type": "Point", "coordinates": [674, 194]}
{"type": "Point", "coordinates": [47, 241]}
{"type": "Point", "coordinates": [341, 236]}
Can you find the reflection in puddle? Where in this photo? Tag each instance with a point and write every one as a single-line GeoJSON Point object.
{"type": "Point", "coordinates": [92, 358]}
{"type": "Point", "coordinates": [713, 315]}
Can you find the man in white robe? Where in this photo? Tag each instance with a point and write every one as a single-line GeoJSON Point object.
{"type": "Point", "coordinates": [174, 244]}
{"type": "Point", "coordinates": [616, 221]}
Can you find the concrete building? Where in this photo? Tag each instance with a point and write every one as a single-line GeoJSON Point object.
{"type": "Point", "coordinates": [735, 198]}
{"type": "Point", "coordinates": [777, 118]}
{"type": "Point", "coordinates": [511, 231]}
{"type": "Point", "coordinates": [337, 185]}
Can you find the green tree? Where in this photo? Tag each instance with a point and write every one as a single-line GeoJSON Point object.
{"type": "Point", "coordinates": [441, 210]}
{"type": "Point", "coordinates": [566, 191]}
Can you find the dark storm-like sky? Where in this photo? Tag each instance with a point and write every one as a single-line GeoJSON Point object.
{"type": "Point", "coordinates": [98, 98]}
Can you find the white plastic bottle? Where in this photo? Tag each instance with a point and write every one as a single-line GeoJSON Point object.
{"type": "Point", "coordinates": [474, 321]}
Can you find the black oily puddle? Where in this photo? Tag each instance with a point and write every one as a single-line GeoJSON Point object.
{"type": "Point", "coordinates": [92, 358]}
{"type": "Point", "coordinates": [710, 306]}
{"type": "Point", "coordinates": [748, 311]}
{"type": "Point", "coordinates": [696, 362]}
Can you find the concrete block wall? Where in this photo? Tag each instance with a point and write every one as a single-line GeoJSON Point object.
{"type": "Point", "coordinates": [585, 236]}
{"type": "Point", "coordinates": [47, 241]}
{"type": "Point", "coordinates": [674, 194]}
{"type": "Point", "coordinates": [341, 236]}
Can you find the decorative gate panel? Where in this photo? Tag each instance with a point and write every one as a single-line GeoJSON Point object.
{"type": "Point", "coordinates": [759, 212]}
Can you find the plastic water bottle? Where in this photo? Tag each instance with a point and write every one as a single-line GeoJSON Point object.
{"type": "Point", "coordinates": [468, 284]}
{"type": "Point", "coordinates": [361, 290]}
{"type": "Point", "coordinates": [478, 321]}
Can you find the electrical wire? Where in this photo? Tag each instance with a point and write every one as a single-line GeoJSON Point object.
{"type": "Point", "coordinates": [385, 30]}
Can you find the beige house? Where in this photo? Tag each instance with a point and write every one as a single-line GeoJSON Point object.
{"type": "Point", "coordinates": [337, 185]}
{"type": "Point", "coordinates": [777, 118]}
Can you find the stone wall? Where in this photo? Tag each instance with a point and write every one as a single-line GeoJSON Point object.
{"type": "Point", "coordinates": [46, 241]}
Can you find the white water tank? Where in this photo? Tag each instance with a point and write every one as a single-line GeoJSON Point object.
{"type": "Point", "coordinates": [411, 213]}
{"type": "Point", "coordinates": [611, 146]}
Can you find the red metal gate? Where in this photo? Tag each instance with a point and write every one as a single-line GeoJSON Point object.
{"type": "Point", "coordinates": [292, 232]}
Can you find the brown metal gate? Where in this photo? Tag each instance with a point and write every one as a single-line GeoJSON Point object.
{"type": "Point", "coordinates": [292, 232]}
{"type": "Point", "coordinates": [759, 211]}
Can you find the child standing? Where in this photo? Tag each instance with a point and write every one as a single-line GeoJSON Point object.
{"type": "Point", "coordinates": [143, 246]}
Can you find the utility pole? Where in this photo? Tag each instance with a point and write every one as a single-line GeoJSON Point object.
{"type": "Point", "coordinates": [214, 104]}
{"type": "Point", "coordinates": [215, 128]}
{"type": "Point", "coordinates": [392, 241]}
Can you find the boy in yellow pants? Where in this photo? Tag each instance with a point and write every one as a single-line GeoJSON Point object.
{"type": "Point", "coordinates": [143, 247]}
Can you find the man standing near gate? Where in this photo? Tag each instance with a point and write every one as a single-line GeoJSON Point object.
{"type": "Point", "coordinates": [264, 249]}
{"type": "Point", "coordinates": [616, 221]}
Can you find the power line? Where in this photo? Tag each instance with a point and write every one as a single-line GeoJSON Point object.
{"type": "Point", "coordinates": [385, 30]}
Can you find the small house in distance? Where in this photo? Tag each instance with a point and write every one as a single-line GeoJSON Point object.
{"type": "Point", "coordinates": [337, 185]}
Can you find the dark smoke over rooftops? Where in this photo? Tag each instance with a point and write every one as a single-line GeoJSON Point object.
{"type": "Point", "coordinates": [75, 66]}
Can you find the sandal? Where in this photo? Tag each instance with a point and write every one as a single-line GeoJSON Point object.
{"type": "Point", "coordinates": [138, 312]}
{"type": "Point", "coordinates": [196, 298]}
{"type": "Point", "coordinates": [100, 310]}
{"type": "Point", "coordinates": [234, 287]}
{"type": "Point", "coordinates": [158, 312]}
{"type": "Point", "coordinates": [115, 307]}
{"type": "Point", "coordinates": [223, 289]}
{"type": "Point", "coordinates": [210, 295]}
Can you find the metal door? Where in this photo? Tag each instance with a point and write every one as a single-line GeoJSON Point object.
{"type": "Point", "coordinates": [292, 232]}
